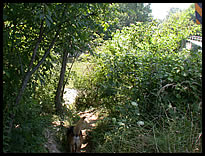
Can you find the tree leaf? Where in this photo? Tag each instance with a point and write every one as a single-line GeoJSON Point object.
{"type": "Point", "coordinates": [48, 22]}
{"type": "Point", "coordinates": [49, 18]}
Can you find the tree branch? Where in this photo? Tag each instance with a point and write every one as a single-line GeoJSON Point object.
{"type": "Point", "coordinates": [60, 83]}
{"type": "Point", "coordinates": [36, 47]}
{"type": "Point", "coordinates": [46, 53]}
{"type": "Point", "coordinates": [27, 77]}
{"type": "Point", "coordinates": [73, 61]}
{"type": "Point", "coordinates": [29, 73]}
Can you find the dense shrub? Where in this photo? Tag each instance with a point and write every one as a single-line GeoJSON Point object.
{"type": "Point", "coordinates": [32, 116]}
{"type": "Point", "coordinates": [144, 74]}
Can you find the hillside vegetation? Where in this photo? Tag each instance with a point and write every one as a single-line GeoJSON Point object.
{"type": "Point", "coordinates": [150, 88]}
{"type": "Point", "coordinates": [132, 71]}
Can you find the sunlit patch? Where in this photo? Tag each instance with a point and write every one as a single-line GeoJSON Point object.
{"type": "Point", "coordinates": [84, 145]}
{"type": "Point", "coordinates": [17, 126]}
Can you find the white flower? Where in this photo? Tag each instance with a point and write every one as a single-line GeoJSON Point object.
{"type": "Point", "coordinates": [134, 103]}
{"type": "Point", "coordinates": [121, 123]}
{"type": "Point", "coordinates": [140, 123]}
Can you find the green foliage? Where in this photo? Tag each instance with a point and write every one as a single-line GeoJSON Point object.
{"type": "Point", "coordinates": [28, 127]}
{"type": "Point", "coordinates": [29, 30]}
{"type": "Point", "coordinates": [127, 13]}
{"type": "Point", "coordinates": [127, 68]}
{"type": "Point", "coordinates": [145, 65]}
{"type": "Point", "coordinates": [143, 68]}
{"type": "Point", "coordinates": [29, 135]}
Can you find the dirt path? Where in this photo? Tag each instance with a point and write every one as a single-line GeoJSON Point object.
{"type": "Point", "coordinates": [90, 120]}
{"type": "Point", "coordinates": [51, 145]}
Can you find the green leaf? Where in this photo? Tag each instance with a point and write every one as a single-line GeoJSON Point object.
{"type": "Point", "coordinates": [106, 25]}
{"type": "Point", "coordinates": [41, 16]}
{"type": "Point", "coordinates": [178, 96]}
{"type": "Point", "coordinates": [7, 74]}
{"type": "Point", "coordinates": [170, 79]}
{"type": "Point", "coordinates": [49, 18]}
{"type": "Point", "coordinates": [121, 123]}
{"type": "Point", "coordinates": [48, 23]}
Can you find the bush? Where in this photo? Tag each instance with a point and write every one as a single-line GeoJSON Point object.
{"type": "Point", "coordinates": [27, 132]}
{"type": "Point", "coordinates": [145, 76]}
{"type": "Point", "coordinates": [32, 117]}
{"type": "Point", "coordinates": [145, 65]}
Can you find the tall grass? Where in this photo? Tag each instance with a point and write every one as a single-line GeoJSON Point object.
{"type": "Point", "coordinates": [174, 130]}
{"type": "Point", "coordinates": [160, 135]}
{"type": "Point", "coordinates": [79, 69]}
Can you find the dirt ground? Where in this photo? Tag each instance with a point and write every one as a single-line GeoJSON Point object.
{"type": "Point", "coordinates": [91, 118]}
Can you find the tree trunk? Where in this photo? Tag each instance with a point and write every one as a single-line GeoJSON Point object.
{"type": "Point", "coordinates": [73, 61]}
{"type": "Point", "coordinates": [58, 104]}
{"type": "Point", "coordinates": [30, 72]}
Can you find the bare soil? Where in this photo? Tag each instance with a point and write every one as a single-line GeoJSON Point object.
{"type": "Point", "coordinates": [91, 118]}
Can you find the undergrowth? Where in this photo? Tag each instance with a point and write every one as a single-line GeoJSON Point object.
{"type": "Point", "coordinates": [151, 92]}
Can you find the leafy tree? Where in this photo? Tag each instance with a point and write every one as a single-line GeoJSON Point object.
{"type": "Point", "coordinates": [132, 13]}
{"type": "Point", "coordinates": [173, 11]}
{"type": "Point", "coordinates": [37, 37]}
{"type": "Point", "coordinates": [179, 22]}
{"type": "Point", "coordinates": [27, 43]}
{"type": "Point", "coordinates": [83, 22]}
{"type": "Point", "coordinates": [191, 11]}
{"type": "Point", "coordinates": [123, 14]}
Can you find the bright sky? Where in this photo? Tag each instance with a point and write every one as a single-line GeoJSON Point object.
{"type": "Point", "coordinates": [160, 10]}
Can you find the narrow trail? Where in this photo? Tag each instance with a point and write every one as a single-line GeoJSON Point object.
{"type": "Point", "coordinates": [91, 118]}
